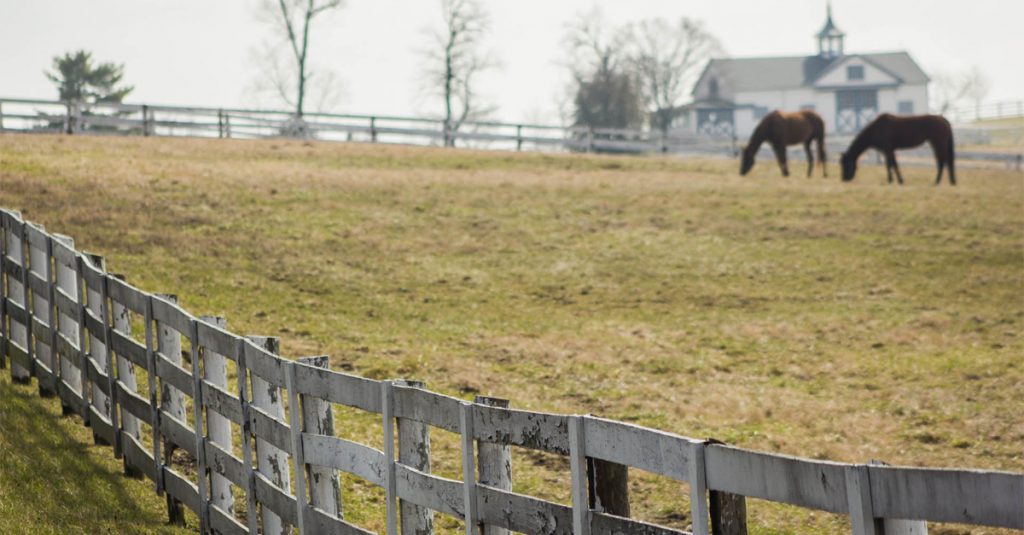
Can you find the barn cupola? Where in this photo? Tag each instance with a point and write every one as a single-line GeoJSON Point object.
{"type": "Point", "coordinates": [830, 38]}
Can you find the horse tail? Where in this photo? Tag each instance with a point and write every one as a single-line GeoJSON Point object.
{"type": "Point", "coordinates": [951, 155]}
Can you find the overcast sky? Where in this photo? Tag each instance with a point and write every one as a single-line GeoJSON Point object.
{"type": "Point", "coordinates": [202, 52]}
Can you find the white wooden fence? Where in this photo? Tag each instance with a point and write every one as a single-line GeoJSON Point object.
{"type": "Point", "coordinates": [91, 338]}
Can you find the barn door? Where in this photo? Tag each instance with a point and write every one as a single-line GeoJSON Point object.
{"type": "Point", "coordinates": [855, 108]}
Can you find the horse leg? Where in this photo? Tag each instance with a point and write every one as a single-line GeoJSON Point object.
{"type": "Point", "coordinates": [938, 162]}
{"type": "Point", "coordinates": [822, 160]}
{"type": "Point", "coordinates": [810, 158]}
{"type": "Point", "coordinates": [888, 165]}
{"type": "Point", "coordinates": [896, 167]}
{"type": "Point", "coordinates": [780, 155]}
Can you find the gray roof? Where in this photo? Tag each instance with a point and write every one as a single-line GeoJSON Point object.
{"type": "Point", "coordinates": [765, 74]}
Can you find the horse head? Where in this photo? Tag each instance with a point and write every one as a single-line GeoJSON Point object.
{"type": "Point", "coordinates": [849, 166]}
{"type": "Point", "coordinates": [746, 160]}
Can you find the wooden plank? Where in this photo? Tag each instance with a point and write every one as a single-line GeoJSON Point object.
{"type": "Point", "coordinates": [533, 430]}
{"type": "Point", "coordinates": [318, 419]}
{"type": "Point", "coordinates": [351, 457]}
{"type": "Point", "coordinates": [178, 433]}
{"type": "Point", "coordinates": [170, 314]}
{"type": "Point", "coordinates": [39, 286]}
{"type": "Point", "coordinates": [128, 349]}
{"type": "Point", "coordinates": [387, 403]}
{"type": "Point", "coordinates": [428, 407]}
{"type": "Point", "coordinates": [131, 297]}
{"type": "Point", "coordinates": [66, 304]}
{"type": "Point", "coordinates": [270, 429]}
{"type": "Point", "coordinates": [64, 253]}
{"type": "Point", "coordinates": [202, 468]}
{"type": "Point", "coordinates": [654, 451]}
{"type": "Point", "coordinates": [92, 274]}
{"type": "Point", "coordinates": [94, 325]}
{"type": "Point", "coordinates": [68, 352]}
{"type": "Point", "coordinates": [174, 375]}
{"type": "Point", "coordinates": [937, 495]}
{"type": "Point", "coordinates": [99, 379]}
{"type": "Point", "coordinates": [101, 425]}
{"type": "Point", "coordinates": [273, 439]}
{"type": "Point", "coordinates": [275, 499]}
{"type": "Point", "coordinates": [413, 451]}
{"type": "Point", "coordinates": [472, 518]}
{"type": "Point", "coordinates": [179, 487]}
{"type": "Point", "coordinates": [522, 514]}
{"type": "Point", "coordinates": [224, 403]}
{"type": "Point", "coordinates": [340, 388]}
{"type": "Point", "coordinates": [216, 339]}
{"type": "Point", "coordinates": [41, 331]}
{"type": "Point", "coordinates": [12, 269]}
{"type": "Point", "coordinates": [438, 493]}
{"type": "Point", "coordinates": [16, 312]}
{"type": "Point", "coordinates": [578, 470]}
{"type": "Point", "coordinates": [858, 490]}
{"type": "Point", "coordinates": [320, 522]}
{"type": "Point", "coordinates": [605, 523]}
{"type": "Point", "coordinates": [137, 457]}
{"type": "Point", "coordinates": [18, 354]}
{"type": "Point", "coordinates": [264, 364]}
{"type": "Point", "coordinates": [812, 484]}
{"type": "Point", "coordinates": [36, 236]}
{"type": "Point", "coordinates": [227, 465]}
{"type": "Point", "coordinates": [71, 398]}
{"type": "Point", "coordinates": [224, 523]}
{"type": "Point", "coordinates": [297, 454]}
{"type": "Point", "coordinates": [134, 404]}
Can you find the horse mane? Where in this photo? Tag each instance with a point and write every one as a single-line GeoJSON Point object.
{"type": "Point", "coordinates": [758, 136]}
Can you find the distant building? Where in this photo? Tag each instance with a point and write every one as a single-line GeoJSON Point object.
{"type": "Point", "coordinates": [847, 90]}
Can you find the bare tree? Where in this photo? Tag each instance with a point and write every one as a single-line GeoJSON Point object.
{"type": "Point", "coordinates": [951, 90]}
{"type": "Point", "coordinates": [455, 62]}
{"type": "Point", "coordinates": [292, 20]}
{"type": "Point", "coordinates": [665, 59]}
{"type": "Point", "coordinates": [605, 93]}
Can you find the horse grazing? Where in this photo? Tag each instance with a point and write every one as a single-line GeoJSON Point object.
{"type": "Point", "coordinates": [889, 132]}
{"type": "Point", "coordinates": [782, 129]}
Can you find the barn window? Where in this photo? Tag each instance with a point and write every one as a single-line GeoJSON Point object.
{"type": "Point", "coordinates": [855, 72]}
{"type": "Point", "coordinates": [906, 107]}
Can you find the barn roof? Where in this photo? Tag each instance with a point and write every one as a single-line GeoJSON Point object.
{"type": "Point", "coordinates": [792, 72]}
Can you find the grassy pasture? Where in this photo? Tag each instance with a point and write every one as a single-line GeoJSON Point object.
{"type": "Point", "coordinates": [804, 316]}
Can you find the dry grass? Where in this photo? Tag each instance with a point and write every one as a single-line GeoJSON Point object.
{"type": "Point", "coordinates": [837, 321]}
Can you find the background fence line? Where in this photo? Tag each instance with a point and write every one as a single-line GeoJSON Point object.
{"type": "Point", "coordinates": [281, 415]}
{"type": "Point", "coordinates": [49, 116]}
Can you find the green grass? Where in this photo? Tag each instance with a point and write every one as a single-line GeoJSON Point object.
{"type": "Point", "coordinates": [804, 316]}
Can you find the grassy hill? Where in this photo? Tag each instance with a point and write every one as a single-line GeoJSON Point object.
{"type": "Point", "coordinates": [805, 316]}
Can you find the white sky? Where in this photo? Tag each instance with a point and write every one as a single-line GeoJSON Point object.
{"type": "Point", "coordinates": [200, 52]}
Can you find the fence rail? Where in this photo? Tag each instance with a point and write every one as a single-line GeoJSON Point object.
{"type": "Point", "coordinates": [146, 395]}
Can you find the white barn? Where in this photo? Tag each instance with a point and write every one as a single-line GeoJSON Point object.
{"type": "Point", "coordinates": [847, 90]}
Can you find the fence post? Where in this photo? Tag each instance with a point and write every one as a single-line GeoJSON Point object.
{"type": "Point", "coordinates": [318, 419]}
{"type": "Point", "coordinates": [495, 462]}
{"type": "Point", "coordinates": [145, 120]}
{"type": "Point", "coordinates": [390, 484]}
{"type": "Point", "coordinates": [519, 137]}
{"type": "Point", "coordinates": [373, 129]}
{"type": "Point", "coordinates": [172, 401]}
{"type": "Point", "coordinates": [18, 294]}
{"type": "Point", "coordinates": [892, 526]}
{"type": "Point", "coordinates": [858, 495]}
{"type": "Point", "coordinates": [197, 420]}
{"type": "Point", "coordinates": [218, 428]}
{"type": "Point", "coordinates": [698, 491]}
{"type": "Point", "coordinates": [272, 462]}
{"type": "Point", "coordinates": [414, 451]}
{"type": "Point", "coordinates": [129, 424]}
{"type": "Point", "coordinates": [590, 139]}
{"type": "Point", "coordinates": [250, 476]}
{"type": "Point", "coordinates": [468, 468]}
{"type": "Point", "coordinates": [295, 430]}
{"type": "Point", "coordinates": [39, 260]}
{"type": "Point", "coordinates": [227, 125]}
{"type": "Point", "coordinates": [1, 116]}
{"type": "Point", "coordinates": [98, 348]}
{"type": "Point", "coordinates": [67, 280]}
{"type": "Point", "coordinates": [609, 484]}
{"type": "Point", "coordinates": [728, 511]}
{"type": "Point", "coordinates": [220, 123]}
{"type": "Point", "coordinates": [578, 469]}
{"type": "Point", "coordinates": [4, 215]}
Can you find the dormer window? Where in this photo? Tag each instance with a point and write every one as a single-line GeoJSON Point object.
{"type": "Point", "coordinates": [855, 73]}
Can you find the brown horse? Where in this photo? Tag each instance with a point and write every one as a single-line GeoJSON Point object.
{"type": "Point", "coordinates": [782, 129]}
{"type": "Point", "coordinates": [889, 132]}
